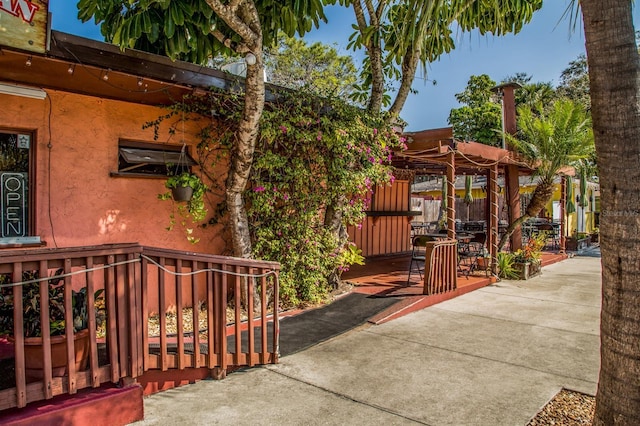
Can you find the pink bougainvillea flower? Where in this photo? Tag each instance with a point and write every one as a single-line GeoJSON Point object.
{"type": "Point", "coordinates": [283, 129]}
{"type": "Point", "coordinates": [259, 189]}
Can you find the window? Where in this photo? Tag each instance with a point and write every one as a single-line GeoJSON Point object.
{"type": "Point", "coordinates": [16, 183]}
{"type": "Point", "coordinates": [143, 159]}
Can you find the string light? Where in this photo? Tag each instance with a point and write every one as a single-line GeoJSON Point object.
{"type": "Point", "coordinates": [71, 69]}
{"type": "Point", "coordinates": [140, 82]}
{"type": "Point", "coordinates": [28, 61]}
{"type": "Point", "coordinates": [105, 76]}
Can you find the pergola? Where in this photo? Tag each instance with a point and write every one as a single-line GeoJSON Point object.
{"type": "Point", "coordinates": [437, 152]}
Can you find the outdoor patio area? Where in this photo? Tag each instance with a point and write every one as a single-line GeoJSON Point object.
{"type": "Point", "coordinates": [387, 277]}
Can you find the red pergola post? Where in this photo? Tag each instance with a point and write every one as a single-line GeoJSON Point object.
{"type": "Point", "coordinates": [492, 198]}
{"type": "Point", "coordinates": [563, 218]}
{"type": "Point", "coordinates": [451, 194]}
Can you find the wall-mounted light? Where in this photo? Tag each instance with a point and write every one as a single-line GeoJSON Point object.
{"type": "Point", "coordinates": [28, 61]}
{"type": "Point", "coordinates": [71, 69]}
{"type": "Point", "coordinates": [250, 59]}
{"type": "Point", "coordinates": [23, 91]}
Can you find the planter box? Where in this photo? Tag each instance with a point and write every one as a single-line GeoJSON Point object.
{"type": "Point", "coordinates": [527, 270]}
{"type": "Point", "coordinates": [34, 355]}
{"type": "Point", "coordinates": [574, 244]}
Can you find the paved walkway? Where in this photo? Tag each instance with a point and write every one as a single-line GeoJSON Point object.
{"type": "Point", "coordinates": [491, 357]}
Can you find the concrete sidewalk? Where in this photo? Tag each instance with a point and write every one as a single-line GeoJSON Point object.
{"type": "Point", "coordinates": [491, 357]}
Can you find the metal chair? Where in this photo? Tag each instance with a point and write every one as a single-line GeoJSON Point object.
{"type": "Point", "coordinates": [418, 253]}
{"type": "Point", "coordinates": [469, 253]}
{"type": "Point", "coordinates": [552, 235]}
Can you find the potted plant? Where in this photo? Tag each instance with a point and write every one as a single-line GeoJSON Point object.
{"type": "Point", "coordinates": [188, 187]}
{"type": "Point", "coordinates": [579, 241]}
{"type": "Point", "coordinates": [33, 328]}
{"type": "Point", "coordinates": [526, 261]}
{"type": "Point", "coordinates": [595, 235]}
{"type": "Point", "coordinates": [184, 186]}
{"type": "Point", "coordinates": [484, 261]}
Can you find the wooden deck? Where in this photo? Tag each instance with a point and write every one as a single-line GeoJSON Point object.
{"type": "Point", "coordinates": [387, 277]}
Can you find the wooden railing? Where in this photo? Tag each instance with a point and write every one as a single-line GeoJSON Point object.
{"type": "Point", "coordinates": [239, 326]}
{"type": "Point", "coordinates": [441, 267]}
{"type": "Point", "coordinates": [232, 306]}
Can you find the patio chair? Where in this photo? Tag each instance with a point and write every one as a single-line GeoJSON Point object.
{"type": "Point", "coordinates": [552, 234]}
{"type": "Point", "coordinates": [468, 253]}
{"type": "Point", "coordinates": [418, 254]}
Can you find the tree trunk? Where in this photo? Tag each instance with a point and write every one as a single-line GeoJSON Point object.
{"type": "Point", "coordinates": [541, 196]}
{"type": "Point", "coordinates": [409, 67]}
{"type": "Point", "coordinates": [333, 222]}
{"type": "Point", "coordinates": [242, 158]}
{"type": "Point", "coordinates": [614, 78]}
{"type": "Point", "coordinates": [242, 17]}
{"type": "Point", "coordinates": [374, 50]}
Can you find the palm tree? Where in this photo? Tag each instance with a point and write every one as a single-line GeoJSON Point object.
{"type": "Point", "coordinates": [614, 84]}
{"type": "Point", "coordinates": [549, 140]}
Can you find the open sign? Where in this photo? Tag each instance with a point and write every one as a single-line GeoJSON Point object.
{"type": "Point", "coordinates": [13, 204]}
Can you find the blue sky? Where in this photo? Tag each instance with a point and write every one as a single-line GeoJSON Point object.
{"type": "Point", "coordinates": [542, 49]}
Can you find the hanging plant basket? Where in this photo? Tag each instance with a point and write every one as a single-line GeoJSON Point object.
{"type": "Point", "coordinates": [182, 193]}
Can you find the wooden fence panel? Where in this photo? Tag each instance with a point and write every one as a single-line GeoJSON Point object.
{"type": "Point", "coordinates": [128, 274]}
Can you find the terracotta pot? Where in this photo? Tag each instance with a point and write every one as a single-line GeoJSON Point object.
{"type": "Point", "coordinates": [182, 193]}
{"type": "Point", "coordinates": [34, 354]}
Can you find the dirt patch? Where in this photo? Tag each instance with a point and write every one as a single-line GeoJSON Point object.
{"type": "Point", "coordinates": [567, 408]}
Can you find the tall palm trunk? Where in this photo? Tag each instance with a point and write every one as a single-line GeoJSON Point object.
{"type": "Point", "coordinates": [614, 78]}
{"type": "Point", "coordinates": [541, 196]}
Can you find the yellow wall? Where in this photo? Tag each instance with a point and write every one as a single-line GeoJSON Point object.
{"type": "Point", "coordinates": [572, 219]}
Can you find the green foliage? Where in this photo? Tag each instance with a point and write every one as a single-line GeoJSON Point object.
{"type": "Point", "coordinates": [554, 137]}
{"type": "Point", "coordinates": [401, 32]}
{"type": "Point", "coordinates": [190, 30]}
{"type": "Point", "coordinates": [311, 155]}
{"type": "Point", "coordinates": [194, 210]}
{"type": "Point", "coordinates": [31, 306]}
{"type": "Point", "coordinates": [317, 67]}
{"type": "Point", "coordinates": [574, 82]}
{"type": "Point", "coordinates": [505, 266]}
{"type": "Point", "coordinates": [480, 118]}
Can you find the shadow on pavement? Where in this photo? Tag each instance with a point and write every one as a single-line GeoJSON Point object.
{"type": "Point", "coordinates": [311, 327]}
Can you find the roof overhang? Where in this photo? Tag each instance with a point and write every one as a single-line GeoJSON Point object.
{"type": "Point", "coordinates": [428, 153]}
{"type": "Point", "coordinates": [79, 65]}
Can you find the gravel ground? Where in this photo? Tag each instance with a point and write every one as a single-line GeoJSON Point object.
{"type": "Point", "coordinates": [567, 408]}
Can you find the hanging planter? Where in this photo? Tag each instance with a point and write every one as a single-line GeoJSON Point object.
{"type": "Point", "coordinates": [468, 193]}
{"type": "Point", "coordinates": [189, 188]}
{"type": "Point", "coordinates": [184, 186]}
{"type": "Point", "coordinates": [182, 193]}
{"type": "Point", "coordinates": [442, 214]}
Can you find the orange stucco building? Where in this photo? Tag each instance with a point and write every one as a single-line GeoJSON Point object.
{"type": "Point", "coordinates": [67, 114]}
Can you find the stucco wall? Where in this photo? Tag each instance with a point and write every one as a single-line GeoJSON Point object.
{"type": "Point", "coordinates": [78, 202]}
